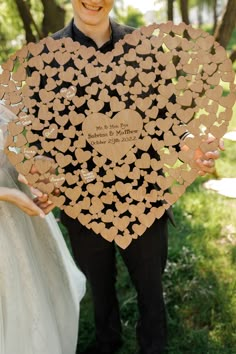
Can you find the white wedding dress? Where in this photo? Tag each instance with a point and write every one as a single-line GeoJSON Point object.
{"type": "Point", "coordinates": [40, 286]}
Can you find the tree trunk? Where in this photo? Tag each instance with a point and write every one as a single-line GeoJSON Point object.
{"type": "Point", "coordinates": [170, 10]}
{"type": "Point", "coordinates": [233, 56]}
{"type": "Point", "coordinates": [54, 17]}
{"type": "Point", "coordinates": [215, 15]}
{"type": "Point", "coordinates": [199, 15]}
{"type": "Point", "coordinates": [184, 11]}
{"type": "Point", "coordinates": [28, 21]}
{"type": "Point", "coordinates": [227, 25]}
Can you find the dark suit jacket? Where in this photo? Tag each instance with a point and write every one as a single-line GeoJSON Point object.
{"type": "Point", "coordinates": [118, 31]}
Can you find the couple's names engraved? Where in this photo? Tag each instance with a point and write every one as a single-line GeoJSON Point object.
{"type": "Point", "coordinates": [112, 134]}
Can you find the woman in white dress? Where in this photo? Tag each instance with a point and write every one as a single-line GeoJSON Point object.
{"type": "Point", "coordinates": [40, 285]}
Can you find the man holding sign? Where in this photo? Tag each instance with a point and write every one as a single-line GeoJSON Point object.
{"type": "Point", "coordinates": [145, 257]}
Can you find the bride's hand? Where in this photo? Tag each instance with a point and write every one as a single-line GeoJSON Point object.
{"type": "Point", "coordinates": [44, 203]}
{"type": "Point", "coordinates": [21, 200]}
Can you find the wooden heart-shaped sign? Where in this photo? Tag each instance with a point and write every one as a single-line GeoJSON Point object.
{"type": "Point", "coordinates": [113, 137]}
{"type": "Point", "coordinates": [122, 128]}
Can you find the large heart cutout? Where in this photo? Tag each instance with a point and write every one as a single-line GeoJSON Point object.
{"type": "Point", "coordinates": [113, 137]}
{"type": "Point", "coordinates": [122, 128]}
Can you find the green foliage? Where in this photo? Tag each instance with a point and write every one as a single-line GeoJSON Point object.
{"type": "Point", "coordinates": [208, 3]}
{"type": "Point", "coordinates": [12, 36]}
{"type": "Point", "coordinates": [36, 9]}
{"type": "Point", "coordinates": [129, 16]}
{"type": "Point", "coordinates": [133, 17]}
{"type": "Point", "coordinates": [10, 29]}
{"type": "Point", "coordinates": [12, 33]}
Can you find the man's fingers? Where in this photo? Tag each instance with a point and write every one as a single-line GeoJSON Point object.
{"type": "Point", "coordinates": [208, 163]}
{"type": "Point", "coordinates": [211, 139]}
{"type": "Point", "coordinates": [203, 172]}
{"type": "Point", "coordinates": [206, 166]}
{"type": "Point", "coordinates": [212, 155]}
{"type": "Point", "coordinates": [221, 145]}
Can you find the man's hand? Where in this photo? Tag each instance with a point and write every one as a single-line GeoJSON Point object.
{"type": "Point", "coordinates": [206, 161]}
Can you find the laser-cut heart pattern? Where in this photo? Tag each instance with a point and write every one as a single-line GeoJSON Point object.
{"type": "Point", "coordinates": [114, 123]}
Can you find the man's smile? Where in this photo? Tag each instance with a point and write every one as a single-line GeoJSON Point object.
{"type": "Point", "coordinates": [91, 7]}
